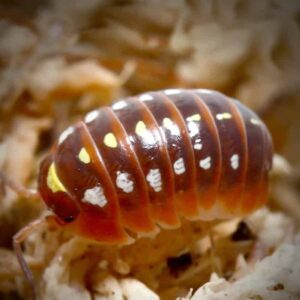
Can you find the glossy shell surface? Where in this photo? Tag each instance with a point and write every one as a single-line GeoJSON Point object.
{"type": "Point", "coordinates": [149, 161]}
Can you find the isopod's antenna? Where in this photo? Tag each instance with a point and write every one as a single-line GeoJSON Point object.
{"type": "Point", "coordinates": [215, 265]}
{"type": "Point", "coordinates": [19, 189]}
{"type": "Point", "coordinates": [20, 237]}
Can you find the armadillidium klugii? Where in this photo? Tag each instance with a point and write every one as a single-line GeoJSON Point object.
{"type": "Point", "coordinates": [149, 161]}
{"type": "Point", "coordinates": [154, 158]}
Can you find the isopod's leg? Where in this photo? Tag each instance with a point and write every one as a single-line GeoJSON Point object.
{"type": "Point", "coordinates": [19, 189]}
{"type": "Point", "coordinates": [214, 262]}
{"type": "Point", "coordinates": [20, 237]}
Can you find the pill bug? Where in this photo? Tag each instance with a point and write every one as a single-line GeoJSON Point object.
{"type": "Point", "coordinates": [148, 161]}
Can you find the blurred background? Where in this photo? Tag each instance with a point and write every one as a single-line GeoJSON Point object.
{"type": "Point", "coordinates": [61, 59]}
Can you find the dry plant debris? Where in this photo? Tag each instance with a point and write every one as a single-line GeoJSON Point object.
{"type": "Point", "coordinates": [275, 277]}
{"type": "Point", "coordinates": [60, 59]}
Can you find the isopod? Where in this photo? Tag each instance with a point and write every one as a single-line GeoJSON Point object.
{"type": "Point", "coordinates": [148, 161]}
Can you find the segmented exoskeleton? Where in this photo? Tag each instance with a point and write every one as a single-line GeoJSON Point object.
{"type": "Point", "coordinates": [152, 159]}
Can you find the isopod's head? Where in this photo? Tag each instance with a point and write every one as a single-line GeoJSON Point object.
{"type": "Point", "coordinates": [54, 194]}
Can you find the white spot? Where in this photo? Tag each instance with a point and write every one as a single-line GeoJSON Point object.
{"type": "Point", "coordinates": [146, 97]}
{"type": "Point", "coordinates": [193, 129]}
{"type": "Point", "coordinates": [198, 144]}
{"type": "Point", "coordinates": [205, 163]}
{"type": "Point", "coordinates": [154, 179]}
{"type": "Point", "coordinates": [234, 161]}
{"type": "Point", "coordinates": [65, 134]}
{"type": "Point", "coordinates": [142, 131]}
{"type": "Point", "coordinates": [179, 167]}
{"type": "Point", "coordinates": [172, 91]}
{"type": "Point", "coordinates": [170, 125]}
{"type": "Point", "coordinates": [95, 196]}
{"type": "Point", "coordinates": [223, 116]}
{"type": "Point", "coordinates": [148, 138]}
{"type": "Point", "coordinates": [91, 116]}
{"type": "Point", "coordinates": [254, 121]}
{"type": "Point", "coordinates": [123, 182]}
{"type": "Point", "coordinates": [119, 105]}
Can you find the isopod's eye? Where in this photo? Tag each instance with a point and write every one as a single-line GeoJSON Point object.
{"type": "Point", "coordinates": [54, 193]}
{"type": "Point", "coordinates": [63, 206]}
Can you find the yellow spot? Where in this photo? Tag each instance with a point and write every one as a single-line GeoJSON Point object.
{"type": "Point", "coordinates": [110, 140]}
{"type": "Point", "coordinates": [53, 182]}
{"type": "Point", "coordinates": [84, 156]}
{"type": "Point", "coordinates": [224, 116]}
{"type": "Point", "coordinates": [195, 117]}
{"type": "Point", "coordinates": [140, 128]}
{"type": "Point", "coordinates": [167, 123]}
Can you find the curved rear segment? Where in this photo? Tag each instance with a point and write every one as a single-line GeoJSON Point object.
{"type": "Point", "coordinates": [260, 154]}
{"type": "Point", "coordinates": [234, 154]}
{"type": "Point", "coordinates": [266, 167]}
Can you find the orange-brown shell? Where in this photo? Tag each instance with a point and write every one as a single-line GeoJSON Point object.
{"type": "Point", "coordinates": [152, 159]}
